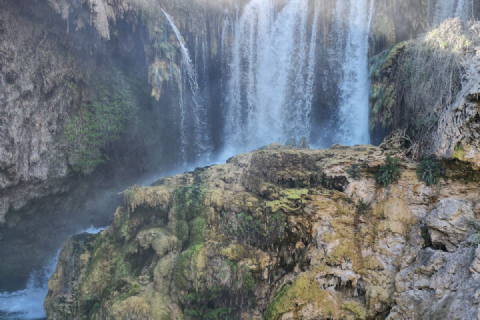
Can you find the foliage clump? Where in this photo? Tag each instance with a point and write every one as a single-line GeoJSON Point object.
{"type": "Point", "coordinates": [389, 172]}
{"type": "Point", "coordinates": [429, 171]}
{"type": "Point", "coordinates": [354, 172]}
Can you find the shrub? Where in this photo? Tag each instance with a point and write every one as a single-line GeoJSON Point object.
{"type": "Point", "coordinates": [429, 171]}
{"type": "Point", "coordinates": [390, 172]}
{"type": "Point", "coordinates": [354, 172]}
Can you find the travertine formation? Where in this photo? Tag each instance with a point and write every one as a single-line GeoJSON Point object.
{"type": "Point", "coordinates": [281, 233]}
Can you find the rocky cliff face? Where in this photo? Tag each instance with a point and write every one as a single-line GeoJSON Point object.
{"type": "Point", "coordinates": [281, 233]}
{"type": "Point", "coordinates": [445, 120]}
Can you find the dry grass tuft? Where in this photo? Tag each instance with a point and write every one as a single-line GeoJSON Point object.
{"type": "Point", "coordinates": [431, 75]}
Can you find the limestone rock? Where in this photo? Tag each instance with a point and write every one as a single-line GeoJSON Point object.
{"type": "Point", "coordinates": [282, 227]}
{"type": "Point", "coordinates": [303, 144]}
{"type": "Point", "coordinates": [449, 223]}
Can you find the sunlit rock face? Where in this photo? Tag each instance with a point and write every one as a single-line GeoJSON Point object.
{"type": "Point", "coordinates": [444, 121]}
{"type": "Point", "coordinates": [280, 233]}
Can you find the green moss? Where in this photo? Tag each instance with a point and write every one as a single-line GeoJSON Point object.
{"type": "Point", "coordinates": [295, 194]}
{"type": "Point", "coordinates": [356, 309]}
{"type": "Point", "coordinates": [219, 314]}
{"type": "Point", "coordinates": [393, 54]}
{"type": "Point", "coordinates": [288, 200]}
{"type": "Point", "coordinates": [181, 230]}
{"type": "Point", "coordinates": [459, 152]}
{"type": "Point", "coordinates": [197, 229]}
{"type": "Point", "coordinates": [102, 120]}
{"type": "Point", "coordinates": [341, 252]}
{"type": "Point", "coordinates": [260, 230]}
{"type": "Point", "coordinates": [189, 202]}
{"type": "Point", "coordinates": [132, 291]}
{"type": "Point", "coordinates": [188, 268]}
{"type": "Point", "coordinates": [121, 223]}
{"type": "Point", "coordinates": [302, 291]}
{"type": "Point", "coordinates": [248, 279]}
{"type": "Point", "coordinates": [234, 252]}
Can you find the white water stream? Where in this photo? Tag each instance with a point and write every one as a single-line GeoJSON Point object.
{"type": "Point", "coordinates": [355, 85]}
{"type": "Point", "coordinates": [445, 9]}
{"type": "Point", "coordinates": [270, 89]}
{"type": "Point", "coordinates": [197, 108]}
{"type": "Point", "coordinates": [27, 304]}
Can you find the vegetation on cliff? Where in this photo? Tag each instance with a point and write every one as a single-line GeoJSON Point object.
{"type": "Point", "coordinates": [103, 119]}
{"type": "Point", "coordinates": [419, 82]}
{"type": "Point", "coordinates": [280, 233]}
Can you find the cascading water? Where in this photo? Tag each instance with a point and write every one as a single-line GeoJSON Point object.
{"type": "Point", "coordinates": [355, 85]}
{"type": "Point", "coordinates": [270, 89]}
{"type": "Point", "coordinates": [28, 303]}
{"type": "Point", "coordinates": [464, 9]}
{"type": "Point", "coordinates": [445, 9]}
{"type": "Point", "coordinates": [203, 147]}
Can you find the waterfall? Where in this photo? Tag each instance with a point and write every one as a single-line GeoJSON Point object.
{"type": "Point", "coordinates": [445, 9]}
{"type": "Point", "coordinates": [311, 72]}
{"type": "Point", "coordinates": [355, 85]}
{"type": "Point", "coordinates": [198, 110]}
{"type": "Point", "coordinates": [270, 89]}
{"type": "Point", "coordinates": [464, 9]}
{"type": "Point", "coordinates": [28, 303]}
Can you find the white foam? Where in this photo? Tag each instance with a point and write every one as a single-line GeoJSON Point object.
{"type": "Point", "coordinates": [269, 93]}
{"type": "Point", "coordinates": [27, 304]}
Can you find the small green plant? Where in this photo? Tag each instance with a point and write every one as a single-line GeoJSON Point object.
{"type": "Point", "coordinates": [248, 279]}
{"type": "Point", "coordinates": [390, 172]}
{"type": "Point", "coordinates": [382, 216]}
{"type": "Point", "coordinates": [459, 152]}
{"type": "Point", "coordinates": [362, 206]}
{"type": "Point", "coordinates": [429, 171]}
{"type": "Point", "coordinates": [354, 172]}
{"type": "Point", "coordinates": [476, 240]}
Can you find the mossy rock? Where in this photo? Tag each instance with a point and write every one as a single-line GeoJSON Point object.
{"type": "Point", "coordinates": [304, 290]}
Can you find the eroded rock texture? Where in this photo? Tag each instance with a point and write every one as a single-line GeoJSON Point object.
{"type": "Point", "coordinates": [281, 233]}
